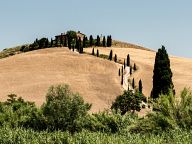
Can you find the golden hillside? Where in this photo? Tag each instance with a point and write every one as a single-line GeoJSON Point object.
{"type": "Point", "coordinates": [30, 74]}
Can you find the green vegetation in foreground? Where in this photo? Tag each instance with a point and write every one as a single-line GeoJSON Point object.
{"type": "Point", "coordinates": [24, 136]}
{"type": "Point", "coordinates": [64, 118]}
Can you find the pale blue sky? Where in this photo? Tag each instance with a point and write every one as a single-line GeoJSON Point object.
{"type": "Point", "coordinates": [149, 23]}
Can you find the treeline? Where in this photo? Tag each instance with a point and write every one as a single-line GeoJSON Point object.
{"type": "Point", "coordinates": [70, 40]}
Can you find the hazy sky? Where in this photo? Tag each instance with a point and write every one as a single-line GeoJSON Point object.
{"type": "Point", "coordinates": [149, 23]}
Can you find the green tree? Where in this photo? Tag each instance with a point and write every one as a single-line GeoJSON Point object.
{"type": "Point", "coordinates": [97, 53]}
{"type": "Point", "coordinates": [124, 64]}
{"type": "Point", "coordinates": [133, 83]}
{"type": "Point", "coordinates": [93, 51]}
{"type": "Point", "coordinates": [128, 60]}
{"type": "Point", "coordinates": [162, 74]}
{"type": "Point", "coordinates": [122, 78]}
{"type": "Point", "coordinates": [98, 41]}
{"type": "Point", "coordinates": [109, 41]}
{"type": "Point", "coordinates": [131, 70]}
{"type": "Point", "coordinates": [119, 72]}
{"type": "Point", "coordinates": [111, 55]}
{"type": "Point", "coordinates": [64, 110]}
{"type": "Point", "coordinates": [115, 58]}
{"type": "Point", "coordinates": [128, 102]}
{"type": "Point", "coordinates": [65, 42]}
{"type": "Point", "coordinates": [104, 42]}
{"type": "Point", "coordinates": [140, 86]}
{"type": "Point", "coordinates": [134, 67]}
{"type": "Point", "coordinates": [51, 42]}
{"type": "Point", "coordinates": [91, 41]}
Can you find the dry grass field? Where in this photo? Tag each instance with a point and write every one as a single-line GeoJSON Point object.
{"type": "Point", "coordinates": [144, 59]}
{"type": "Point", "coordinates": [30, 74]}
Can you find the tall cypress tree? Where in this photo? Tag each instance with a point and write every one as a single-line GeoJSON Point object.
{"type": "Point", "coordinates": [97, 53]}
{"type": "Point", "coordinates": [98, 41]}
{"type": "Point", "coordinates": [131, 70]}
{"type": "Point", "coordinates": [128, 60]}
{"type": "Point", "coordinates": [93, 51]}
{"type": "Point", "coordinates": [119, 72]}
{"type": "Point", "coordinates": [51, 42]}
{"type": "Point", "coordinates": [84, 41]}
{"type": "Point", "coordinates": [115, 58]}
{"type": "Point", "coordinates": [122, 79]}
{"type": "Point", "coordinates": [111, 55]}
{"type": "Point", "coordinates": [124, 64]}
{"type": "Point", "coordinates": [65, 42]}
{"type": "Point", "coordinates": [133, 83]}
{"type": "Point", "coordinates": [91, 41]}
{"type": "Point", "coordinates": [140, 86]}
{"type": "Point", "coordinates": [134, 67]}
{"type": "Point", "coordinates": [162, 74]}
{"type": "Point", "coordinates": [104, 42]}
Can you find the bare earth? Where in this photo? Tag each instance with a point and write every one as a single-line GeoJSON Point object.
{"type": "Point", "coordinates": [181, 67]}
{"type": "Point", "coordinates": [29, 75]}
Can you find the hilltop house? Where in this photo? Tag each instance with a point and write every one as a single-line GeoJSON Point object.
{"type": "Point", "coordinates": [64, 36]}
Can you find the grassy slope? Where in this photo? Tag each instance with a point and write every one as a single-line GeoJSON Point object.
{"type": "Point", "coordinates": [181, 67]}
{"type": "Point", "coordinates": [30, 74]}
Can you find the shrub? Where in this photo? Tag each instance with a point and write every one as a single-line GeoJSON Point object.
{"type": "Point", "coordinates": [169, 113]}
{"type": "Point", "coordinates": [64, 110]}
{"type": "Point", "coordinates": [127, 102]}
{"type": "Point", "coordinates": [109, 122]}
{"type": "Point", "coordinates": [15, 112]}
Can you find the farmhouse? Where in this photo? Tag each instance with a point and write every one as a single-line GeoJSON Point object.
{"type": "Point", "coordinates": [64, 36]}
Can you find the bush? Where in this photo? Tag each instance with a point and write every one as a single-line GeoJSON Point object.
{"type": "Point", "coordinates": [128, 102]}
{"type": "Point", "coordinates": [109, 122]}
{"type": "Point", "coordinates": [169, 113]}
{"type": "Point", "coordinates": [15, 112]}
{"type": "Point", "coordinates": [64, 110]}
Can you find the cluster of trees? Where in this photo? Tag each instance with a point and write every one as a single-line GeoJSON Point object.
{"type": "Point", "coordinates": [70, 40]}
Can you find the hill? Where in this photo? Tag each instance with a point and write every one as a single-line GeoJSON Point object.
{"type": "Point", "coordinates": [30, 74]}
{"type": "Point", "coordinates": [144, 59]}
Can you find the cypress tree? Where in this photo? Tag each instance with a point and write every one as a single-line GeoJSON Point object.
{"type": "Point", "coordinates": [84, 41]}
{"type": "Point", "coordinates": [91, 41]}
{"type": "Point", "coordinates": [93, 51]}
{"type": "Point", "coordinates": [97, 53]}
{"type": "Point", "coordinates": [122, 79]}
{"type": "Point", "coordinates": [51, 42]}
{"type": "Point", "coordinates": [65, 42]}
{"type": "Point", "coordinates": [124, 64]}
{"type": "Point", "coordinates": [131, 71]}
{"type": "Point", "coordinates": [115, 58]}
{"type": "Point", "coordinates": [133, 83]}
{"type": "Point", "coordinates": [122, 69]}
{"type": "Point", "coordinates": [111, 55]}
{"type": "Point", "coordinates": [69, 44]}
{"type": "Point", "coordinates": [140, 86]}
{"type": "Point", "coordinates": [162, 74]}
{"type": "Point", "coordinates": [110, 41]}
{"type": "Point", "coordinates": [47, 43]}
{"type": "Point", "coordinates": [134, 67]}
{"type": "Point", "coordinates": [119, 72]}
{"type": "Point", "coordinates": [98, 41]}
{"type": "Point", "coordinates": [128, 60]}
{"type": "Point", "coordinates": [104, 42]}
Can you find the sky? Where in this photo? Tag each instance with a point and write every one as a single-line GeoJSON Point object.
{"type": "Point", "coordinates": [149, 23]}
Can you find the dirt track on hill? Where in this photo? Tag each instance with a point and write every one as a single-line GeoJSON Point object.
{"type": "Point", "coordinates": [29, 75]}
